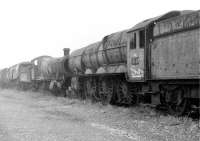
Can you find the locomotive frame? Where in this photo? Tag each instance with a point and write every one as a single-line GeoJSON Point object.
{"type": "Point", "coordinates": [155, 62]}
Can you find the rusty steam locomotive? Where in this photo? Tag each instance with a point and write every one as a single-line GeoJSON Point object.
{"type": "Point", "coordinates": [157, 62]}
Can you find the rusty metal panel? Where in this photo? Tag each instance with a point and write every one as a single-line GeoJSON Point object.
{"type": "Point", "coordinates": [101, 55]}
{"type": "Point", "coordinates": [176, 56]}
{"type": "Point", "coordinates": [25, 77]}
{"type": "Point", "coordinates": [165, 16]}
{"type": "Point", "coordinates": [40, 70]}
{"type": "Point", "coordinates": [183, 22]}
{"type": "Point", "coordinates": [34, 73]}
{"type": "Point", "coordinates": [75, 60]}
{"type": "Point", "coordinates": [3, 75]}
{"type": "Point", "coordinates": [119, 68]}
{"type": "Point", "coordinates": [89, 56]}
{"type": "Point", "coordinates": [114, 48]}
{"type": "Point", "coordinates": [56, 69]}
{"type": "Point", "coordinates": [110, 51]}
{"type": "Point", "coordinates": [25, 72]}
{"type": "Point", "coordinates": [13, 72]}
{"type": "Point", "coordinates": [45, 68]}
{"type": "Point", "coordinates": [135, 62]}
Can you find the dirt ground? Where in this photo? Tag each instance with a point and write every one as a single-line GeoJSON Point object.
{"type": "Point", "coordinates": [37, 116]}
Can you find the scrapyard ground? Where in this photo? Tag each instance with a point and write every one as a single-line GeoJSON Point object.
{"type": "Point", "coordinates": [37, 116]}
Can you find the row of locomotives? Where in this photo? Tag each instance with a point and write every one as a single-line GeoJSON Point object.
{"type": "Point", "coordinates": [19, 76]}
{"type": "Point", "coordinates": [3, 78]}
{"type": "Point", "coordinates": [163, 61]}
{"type": "Point", "coordinates": [155, 62]}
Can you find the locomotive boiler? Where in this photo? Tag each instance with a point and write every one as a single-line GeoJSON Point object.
{"type": "Point", "coordinates": [105, 56]}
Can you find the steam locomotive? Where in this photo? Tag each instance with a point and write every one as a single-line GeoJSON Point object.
{"type": "Point", "coordinates": [17, 75]}
{"type": "Point", "coordinates": [156, 62]}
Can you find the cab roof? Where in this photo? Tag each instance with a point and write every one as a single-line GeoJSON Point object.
{"type": "Point", "coordinates": [159, 18]}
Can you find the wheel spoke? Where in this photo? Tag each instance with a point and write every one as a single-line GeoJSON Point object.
{"type": "Point", "coordinates": [123, 93]}
{"type": "Point", "coordinates": [179, 103]}
{"type": "Point", "coordinates": [106, 90]}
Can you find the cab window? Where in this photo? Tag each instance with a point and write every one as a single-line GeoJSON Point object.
{"type": "Point", "coordinates": [142, 38]}
{"type": "Point", "coordinates": [133, 41]}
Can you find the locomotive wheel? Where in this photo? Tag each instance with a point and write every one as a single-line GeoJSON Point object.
{"type": "Point", "coordinates": [123, 93]}
{"type": "Point", "coordinates": [96, 96]}
{"type": "Point", "coordinates": [76, 87]}
{"type": "Point", "coordinates": [82, 90]}
{"type": "Point", "coordinates": [105, 90]}
{"type": "Point", "coordinates": [178, 103]}
{"type": "Point", "coordinates": [91, 90]}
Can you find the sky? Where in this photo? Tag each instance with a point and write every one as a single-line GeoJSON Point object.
{"type": "Point", "coordinates": [31, 28]}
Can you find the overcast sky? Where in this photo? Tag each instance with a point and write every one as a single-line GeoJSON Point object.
{"type": "Point", "coordinates": [30, 28]}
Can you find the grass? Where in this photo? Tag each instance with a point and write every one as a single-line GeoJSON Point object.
{"type": "Point", "coordinates": [145, 122]}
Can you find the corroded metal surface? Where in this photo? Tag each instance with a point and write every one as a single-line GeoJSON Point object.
{"type": "Point", "coordinates": [48, 68]}
{"type": "Point", "coordinates": [3, 76]}
{"type": "Point", "coordinates": [75, 60]}
{"type": "Point", "coordinates": [40, 69]}
{"type": "Point", "coordinates": [114, 48]}
{"type": "Point", "coordinates": [110, 51]}
{"type": "Point", "coordinates": [183, 22]}
{"type": "Point", "coordinates": [89, 57]}
{"type": "Point", "coordinates": [176, 56]}
{"type": "Point", "coordinates": [25, 72]}
{"type": "Point", "coordinates": [56, 68]}
{"type": "Point", "coordinates": [15, 72]}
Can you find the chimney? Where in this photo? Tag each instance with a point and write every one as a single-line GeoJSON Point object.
{"type": "Point", "coordinates": [66, 51]}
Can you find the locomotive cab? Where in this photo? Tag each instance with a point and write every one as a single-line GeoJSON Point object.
{"type": "Point", "coordinates": [139, 48]}
{"type": "Point", "coordinates": [136, 49]}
